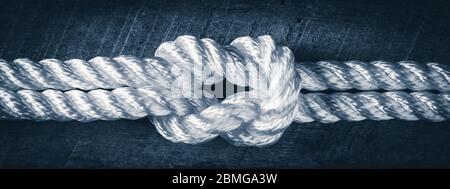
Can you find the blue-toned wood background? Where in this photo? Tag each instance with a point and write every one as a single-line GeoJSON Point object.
{"type": "Point", "coordinates": [313, 29]}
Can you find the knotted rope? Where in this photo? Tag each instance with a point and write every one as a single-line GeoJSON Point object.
{"type": "Point", "coordinates": [127, 87]}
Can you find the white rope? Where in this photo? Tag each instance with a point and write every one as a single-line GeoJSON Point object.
{"type": "Point", "coordinates": [374, 75]}
{"type": "Point", "coordinates": [142, 87]}
{"type": "Point", "coordinates": [107, 73]}
{"type": "Point", "coordinates": [131, 103]}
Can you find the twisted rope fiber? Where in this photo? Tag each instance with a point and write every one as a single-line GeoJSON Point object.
{"type": "Point", "coordinates": [107, 73]}
{"type": "Point", "coordinates": [131, 103]}
{"type": "Point", "coordinates": [239, 119]}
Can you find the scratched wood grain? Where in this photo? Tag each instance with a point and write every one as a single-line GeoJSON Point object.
{"type": "Point", "coordinates": [313, 29]}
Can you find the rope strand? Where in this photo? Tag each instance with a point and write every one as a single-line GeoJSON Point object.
{"type": "Point", "coordinates": [375, 75]}
{"type": "Point", "coordinates": [373, 106]}
{"type": "Point", "coordinates": [129, 71]}
{"type": "Point", "coordinates": [130, 103]}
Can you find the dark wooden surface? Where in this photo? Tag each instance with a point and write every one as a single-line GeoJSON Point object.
{"type": "Point", "coordinates": [313, 29]}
